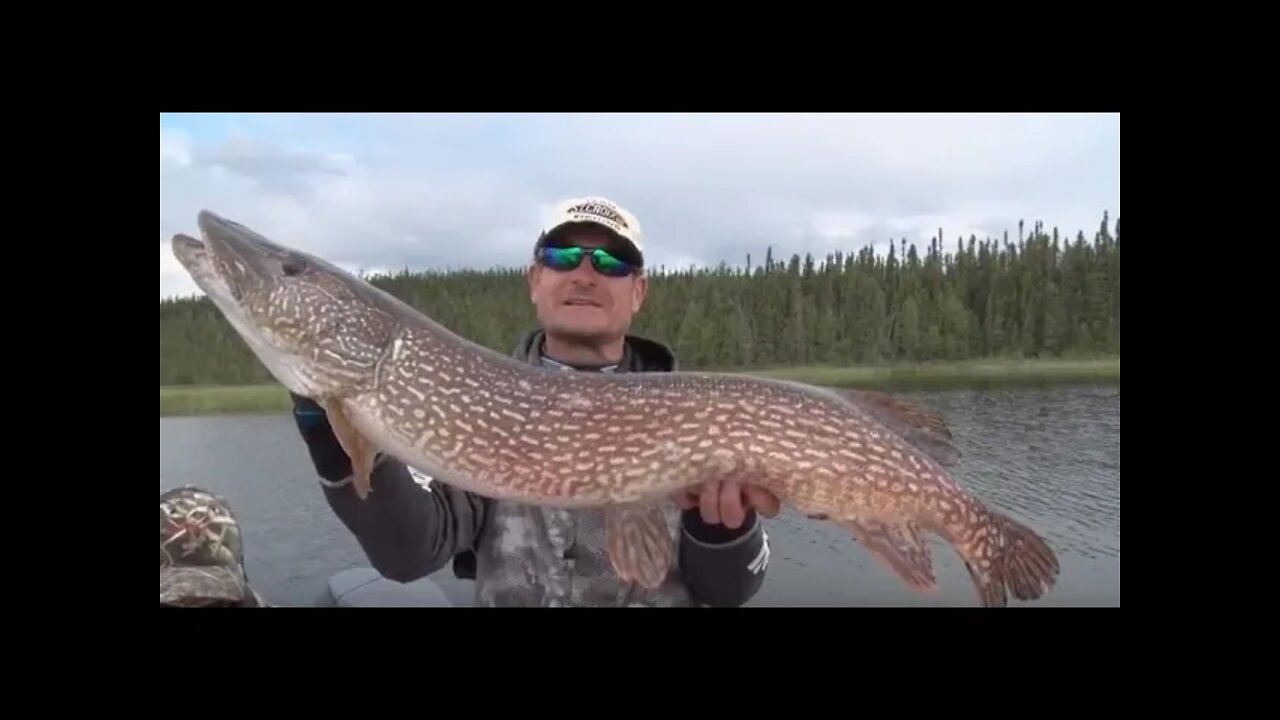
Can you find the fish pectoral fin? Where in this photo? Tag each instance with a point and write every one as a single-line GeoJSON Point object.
{"type": "Point", "coordinates": [639, 542]}
{"type": "Point", "coordinates": [361, 452]}
{"type": "Point", "coordinates": [901, 547]}
{"type": "Point", "coordinates": [917, 425]}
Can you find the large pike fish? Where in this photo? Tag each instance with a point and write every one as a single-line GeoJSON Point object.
{"type": "Point", "coordinates": [394, 380]}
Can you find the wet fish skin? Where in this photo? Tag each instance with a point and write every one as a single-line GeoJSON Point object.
{"type": "Point", "coordinates": [392, 379]}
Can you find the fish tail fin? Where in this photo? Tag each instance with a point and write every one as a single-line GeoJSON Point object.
{"type": "Point", "coordinates": [1019, 561]}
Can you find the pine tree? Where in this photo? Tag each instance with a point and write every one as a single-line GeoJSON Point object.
{"type": "Point", "coordinates": [1042, 296]}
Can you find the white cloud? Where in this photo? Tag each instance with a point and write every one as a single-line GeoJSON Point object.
{"type": "Point", "coordinates": [471, 191]}
{"type": "Point", "coordinates": [174, 280]}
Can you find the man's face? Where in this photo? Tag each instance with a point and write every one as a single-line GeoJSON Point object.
{"type": "Point", "coordinates": [582, 303]}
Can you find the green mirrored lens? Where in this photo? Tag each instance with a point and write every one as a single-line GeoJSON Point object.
{"type": "Point", "coordinates": [568, 258]}
{"type": "Point", "coordinates": [609, 264]}
{"type": "Point", "coordinates": [562, 258]}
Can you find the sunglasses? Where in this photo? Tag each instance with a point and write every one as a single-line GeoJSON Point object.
{"type": "Point", "coordinates": [568, 258]}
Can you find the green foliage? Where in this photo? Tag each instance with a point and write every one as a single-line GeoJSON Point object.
{"type": "Point", "coordinates": [1037, 298]}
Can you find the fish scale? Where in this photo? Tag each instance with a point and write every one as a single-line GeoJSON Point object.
{"type": "Point", "coordinates": [393, 380]}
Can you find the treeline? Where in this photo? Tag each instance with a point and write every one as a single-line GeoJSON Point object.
{"type": "Point", "coordinates": [1040, 295]}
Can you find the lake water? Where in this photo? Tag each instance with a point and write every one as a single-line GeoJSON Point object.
{"type": "Point", "coordinates": [1048, 456]}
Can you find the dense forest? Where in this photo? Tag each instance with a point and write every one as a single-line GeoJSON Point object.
{"type": "Point", "coordinates": [1038, 296]}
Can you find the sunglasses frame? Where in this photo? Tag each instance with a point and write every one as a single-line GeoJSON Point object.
{"type": "Point", "coordinates": [598, 257]}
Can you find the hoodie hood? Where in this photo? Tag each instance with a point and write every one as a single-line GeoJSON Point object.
{"type": "Point", "coordinates": [639, 354]}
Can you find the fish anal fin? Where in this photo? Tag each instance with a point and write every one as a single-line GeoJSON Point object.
{"type": "Point", "coordinates": [901, 547]}
{"type": "Point", "coordinates": [361, 452]}
{"type": "Point", "coordinates": [639, 542]}
{"type": "Point", "coordinates": [919, 426]}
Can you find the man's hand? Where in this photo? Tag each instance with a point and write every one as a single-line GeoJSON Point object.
{"type": "Point", "coordinates": [727, 502]}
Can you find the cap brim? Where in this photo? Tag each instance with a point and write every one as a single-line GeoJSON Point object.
{"type": "Point", "coordinates": [196, 586]}
{"type": "Point", "coordinates": [553, 233]}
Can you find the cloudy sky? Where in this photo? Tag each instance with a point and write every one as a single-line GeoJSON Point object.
{"type": "Point", "coordinates": [377, 192]}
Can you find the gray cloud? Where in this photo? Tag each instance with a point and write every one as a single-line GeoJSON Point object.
{"type": "Point", "coordinates": [469, 191]}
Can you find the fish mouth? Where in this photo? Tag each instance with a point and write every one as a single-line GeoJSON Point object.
{"type": "Point", "coordinates": [195, 257]}
{"type": "Point", "coordinates": [225, 264]}
{"type": "Point", "coordinates": [228, 262]}
{"type": "Point", "coordinates": [239, 247]}
{"type": "Point", "coordinates": [189, 251]}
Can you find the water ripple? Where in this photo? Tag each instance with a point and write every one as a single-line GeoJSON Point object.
{"type": "Point", "coordinates": [1049, 457]}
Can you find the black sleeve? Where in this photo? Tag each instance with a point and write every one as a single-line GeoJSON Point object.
{"type": "Point", "coordinates": [407, 531]}
{"type": "Point", "coordinates": [723, 567]}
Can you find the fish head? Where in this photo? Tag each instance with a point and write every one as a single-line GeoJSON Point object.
{"type": "Point", "coordinates": [317, 328]}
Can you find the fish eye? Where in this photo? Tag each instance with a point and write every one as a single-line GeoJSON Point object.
{"type": "Point", "coordinates": [293, 265]}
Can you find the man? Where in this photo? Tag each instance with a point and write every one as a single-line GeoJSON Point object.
{"type": "Point", "coordinates": [201, 552]}
{"type": "Point", "coordinates": [586, 282]}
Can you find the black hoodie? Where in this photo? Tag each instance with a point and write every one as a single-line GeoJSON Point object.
{"type": "Point", "coordinates": [408, 533]}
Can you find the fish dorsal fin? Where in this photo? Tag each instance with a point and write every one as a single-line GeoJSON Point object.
{"type": "Point", "coordinates": [922, 428]}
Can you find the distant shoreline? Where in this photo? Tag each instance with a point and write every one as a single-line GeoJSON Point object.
{"type": "Point", "coordinates": [197, 400]}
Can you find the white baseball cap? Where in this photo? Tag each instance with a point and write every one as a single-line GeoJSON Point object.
{"type": "Point", "coordinates": [600, 211]}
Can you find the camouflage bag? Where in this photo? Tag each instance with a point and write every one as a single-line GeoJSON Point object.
{"type": "Point", "coordinates": [201, 552]}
